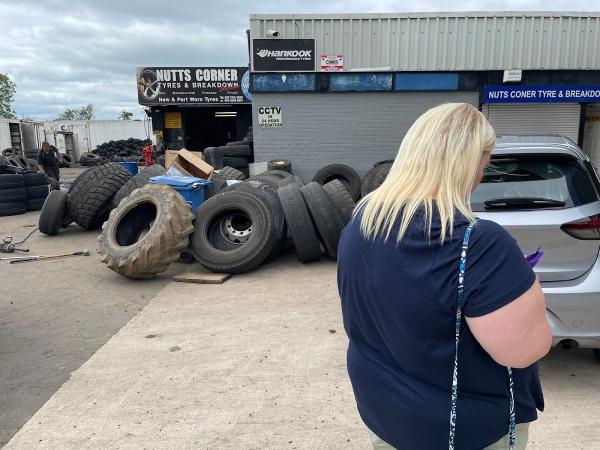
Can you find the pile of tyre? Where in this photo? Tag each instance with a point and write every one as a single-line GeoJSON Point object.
{"type": "Point", "coordinates": [92, 196]}
{"type": "Point", "coordinates": [22, 192]}
{"type": "Point", "coordinates": [236, 154]}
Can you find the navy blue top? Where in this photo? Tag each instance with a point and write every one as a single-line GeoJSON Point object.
{"type": "Point", "coordinates": [399, 309]}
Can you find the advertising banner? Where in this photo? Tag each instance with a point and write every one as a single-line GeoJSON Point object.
{"type": "Point", "coordinates": [192, 85]}
{"type": "Point", "coordinates": [541, 94]}
{"type": "Point", "coordinates": [281, 55]}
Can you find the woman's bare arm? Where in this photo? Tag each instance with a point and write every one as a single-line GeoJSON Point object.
{"type": "Point", "coordinates": [518, 334]}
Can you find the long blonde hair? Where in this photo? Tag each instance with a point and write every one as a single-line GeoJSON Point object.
{"type": "Point", "coordinates": [436, 162]}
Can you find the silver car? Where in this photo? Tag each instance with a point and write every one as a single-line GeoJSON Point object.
{"type": "Point", "coordinates": [546, 193]}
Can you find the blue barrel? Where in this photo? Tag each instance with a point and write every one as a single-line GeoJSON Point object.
{"type": "Point", "coordinates": [130, 166]}
{"type": "Point", "coordinates": [190, 188]}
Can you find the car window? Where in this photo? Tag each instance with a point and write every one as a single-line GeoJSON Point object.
{"type": "Point", "coordinates": [559, 180]}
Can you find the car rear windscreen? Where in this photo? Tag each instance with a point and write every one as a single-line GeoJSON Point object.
{"type": "Point", "coordinates": [534, 181]}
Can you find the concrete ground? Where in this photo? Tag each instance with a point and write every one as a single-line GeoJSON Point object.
{"type": "Point", "coordinates": [255, 363]}
{"type": "Point", "coordinates": [54, 315]}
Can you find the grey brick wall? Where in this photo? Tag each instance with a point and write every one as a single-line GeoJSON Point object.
{"type": "Point", "coordinates": [357, 129]}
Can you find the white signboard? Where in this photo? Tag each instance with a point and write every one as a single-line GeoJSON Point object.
{"type": "Point", "coordinates": [332, 63]}
{"type": "Point", "coordinates": [269, 117]}
{"type": "Point", "coordinates": [512, 75]}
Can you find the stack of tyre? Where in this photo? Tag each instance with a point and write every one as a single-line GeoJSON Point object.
{"type": "Point", "coordinates": [92, 196]}
{"type": "Point", "coordinates": [20, 193]}
{"type": "Point", "coordinates": [13, 159]}
{"type": "Point", "coordinates": [121, 150]}
{"type": "Point", "coordinates": [236, 154]}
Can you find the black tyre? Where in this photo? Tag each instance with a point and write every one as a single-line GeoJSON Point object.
{"type": "Point", "coordinates": [281, 174]}
{"type": "Point", "coordinates": [299, 223]}
{"type": "Point", "coordinates": [90, 196]}
{"type": "Point", "coordinates": [8, 152]}
{"type": "Point", "coordinates": [597, 354]}
{"type": "Point", "coordinates": [236, 150]}
{"type": "Point", "coordinates": [214, 157]}
{"type": "Point", "coordinates": [146, 232]}
{"type": "Point", "coordinates": [342, 172]}
{"type": "Point", "coordinates": [67, 160]}
{"type": "Point", "coordinates": [375, 177]}
{"type": "Point", "coordinates": [10, 181]}
{"type": "Point", "coordinates": [35, 204]}
{"type": "Point", "coordinates": [53, 213]}
{"type": "Point", "coordinates": [13, 195]}
{"type": "Point", "coordinates": [220, 178]}
{"type": "Point", "coordinates": [35, 192]}
{"type": "Point", "coordinates": [234, 232]}
{"type": "Point", "coordinates": [291, 179]}
{"type": "Point", "coordinates": [186, 256]}
{"type": "Point", "coordinates": [341, 198]}
{"type": "Point", "coordinates": [12, 209]}
{"type": "Point", "coordinates": [229, 144]}
{"type": "Point", "coordinates": [137, 181]}
{"type": "Point", "coordinates": [14, 162]}
{"type": "Point", "coordinates": [236, 161]}
{"type": "Point", "coordinates": [327, 222]}
{"type": "Point", "coordinates": [23, 161]}
{"type": "Point", "coordinates": [33, 164]}
{"type": "Point", "coordinates": [35, 179]}
{"type": "Point", "coordinates": [280, 164]}
{"type": "Point", "coordinates": [365, 187]}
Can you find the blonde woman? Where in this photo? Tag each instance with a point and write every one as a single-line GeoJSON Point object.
{"type": "Point", "coordinates": [438, 306]}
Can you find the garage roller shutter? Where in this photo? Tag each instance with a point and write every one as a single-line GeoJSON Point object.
{"type": "Point", "coordinates": [553, 118]}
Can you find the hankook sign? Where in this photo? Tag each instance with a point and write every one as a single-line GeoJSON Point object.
{"type": "Point", "coordinates": [191, 85]}
{"type": "Point", "coordinates": [281, 55]}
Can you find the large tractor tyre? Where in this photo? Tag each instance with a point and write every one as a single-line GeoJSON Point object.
{"type": "Point", "coordinates": [90, 196]}
{"type": "Point", "coordinates": [341, 198]}
{"type": "Point", "coordinates": [35, 192]}
{"type": "Point", "coordinates": [146, 232]}
{"type": "Point", "coordinates": [242, 149]}
{"type": "Point", "coordinates": [53, 213]}
{"type": "Point", "coordinates": [137, 181]}
{"type": "Point", "coordinates": [13, 195]}
{"type": "Point", "coordinates": [299, 223]}
{"type": "Point", "coordinates": [11, 181]}
{"type": "Point", "coordinates": [220, 179]}
{"type": "Point", "coordinates": [35, 179]}
{"type": "Point", "coordinates": [346, 174]}
{"type": "Point", "coordinates": [12, 209]}
{"type": "Point", "coordinates": [234, 232]}
{"type": "Point", "coordinates": [327, 221]}
{"type": "Point", "coordinates": [280, 164]}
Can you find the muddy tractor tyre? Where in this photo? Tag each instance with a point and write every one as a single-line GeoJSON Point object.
{"type": "Point", "coordinates": [346, 174]}
{"type": "Point", "coordinates": [137, 181]}
{"type": "Point", "coordinates": [299, 223]}
{"type": "Point", "coordinates": [341, 198]}
{"type": "Point", "coordinates": [146, 232]}
{"type": "Point", "coordinates": [53, 213]}
{"type": "Point", "coordinates": [234, 232]}
{"type": "Point", "coordinates": [91, 194]}
{"type": "Point", "coordinates": [327, 221]}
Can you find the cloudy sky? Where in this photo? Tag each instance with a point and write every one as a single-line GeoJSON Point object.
{"type": "Point", "coordinates": [66, 54]}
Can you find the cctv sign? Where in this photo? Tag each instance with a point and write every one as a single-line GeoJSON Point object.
{"type": "Point", "coordinates": [332, 63]}
{"type": "Point", "coordinates": [283, 55]}
{"type": "Point", "coordinates": [269, 117]}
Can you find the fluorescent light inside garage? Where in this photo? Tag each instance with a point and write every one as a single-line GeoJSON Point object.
{"type": "Point", "coordinates": [226, 114]}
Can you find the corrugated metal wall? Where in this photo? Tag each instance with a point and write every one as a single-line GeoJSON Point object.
{"type": "Point", "coordinates": [519, 118]}
{"type": "Point", "coordinates": [357, 129]}
{"type": "Point", "coordinates": [446, 41]}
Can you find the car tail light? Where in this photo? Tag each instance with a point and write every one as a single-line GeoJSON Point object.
{"type": "Point", "coordinates": [586, 229]}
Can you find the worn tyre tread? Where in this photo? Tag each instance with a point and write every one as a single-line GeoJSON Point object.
{"type": "Point", "coordinates": [53, 213]}
{"type": "Point", "coordinates": [341, 172]}
{"type": "Point", "coordinates": [341, 198]}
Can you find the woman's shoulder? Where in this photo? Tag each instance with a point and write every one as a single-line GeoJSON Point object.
{"type": "Point", "coordinates": [488, 233]}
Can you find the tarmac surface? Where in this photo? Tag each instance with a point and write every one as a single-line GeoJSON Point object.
{"type": "Point", "coordinates": [255, 363]}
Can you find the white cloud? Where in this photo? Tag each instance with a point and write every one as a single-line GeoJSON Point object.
{"type": "Point", "coordinates": [67, 54]}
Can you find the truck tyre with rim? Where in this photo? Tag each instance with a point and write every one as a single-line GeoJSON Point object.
{"type": "Point", "coordinates": [346, 174]}
{"type": "Point", "coordinates": [299, 223]}
{"type": "Point", "coordinates": [53, 213]}
{"type": "Point", "coordinates": [327, 222]}
{"type": "Point", "coordinates": [234, 232]}
{"type": "Point", "coordinates": [90, 196]}
{"type": "Point", "coordinates": [146, 232]}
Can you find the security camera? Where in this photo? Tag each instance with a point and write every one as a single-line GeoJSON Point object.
{"type": "Point", "coordinates": [272, 33]}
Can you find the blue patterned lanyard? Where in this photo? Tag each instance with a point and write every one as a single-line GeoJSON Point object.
{"type": "Point", "coordinates": [461, 279]}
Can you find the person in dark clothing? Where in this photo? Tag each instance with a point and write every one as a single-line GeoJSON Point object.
{"type": "Point", "coordinates": [445, 317]}
{"type": "Point", "coordinates": [48, 159]}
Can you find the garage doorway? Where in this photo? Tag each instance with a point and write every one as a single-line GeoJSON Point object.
{"type": "Point", "coordinates": [215, 126]}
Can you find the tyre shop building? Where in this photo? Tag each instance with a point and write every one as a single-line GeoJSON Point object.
{"type": "Point", "coordinates": [345, 88]}
{"type": "Point", "coordinates": [196, 107]}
